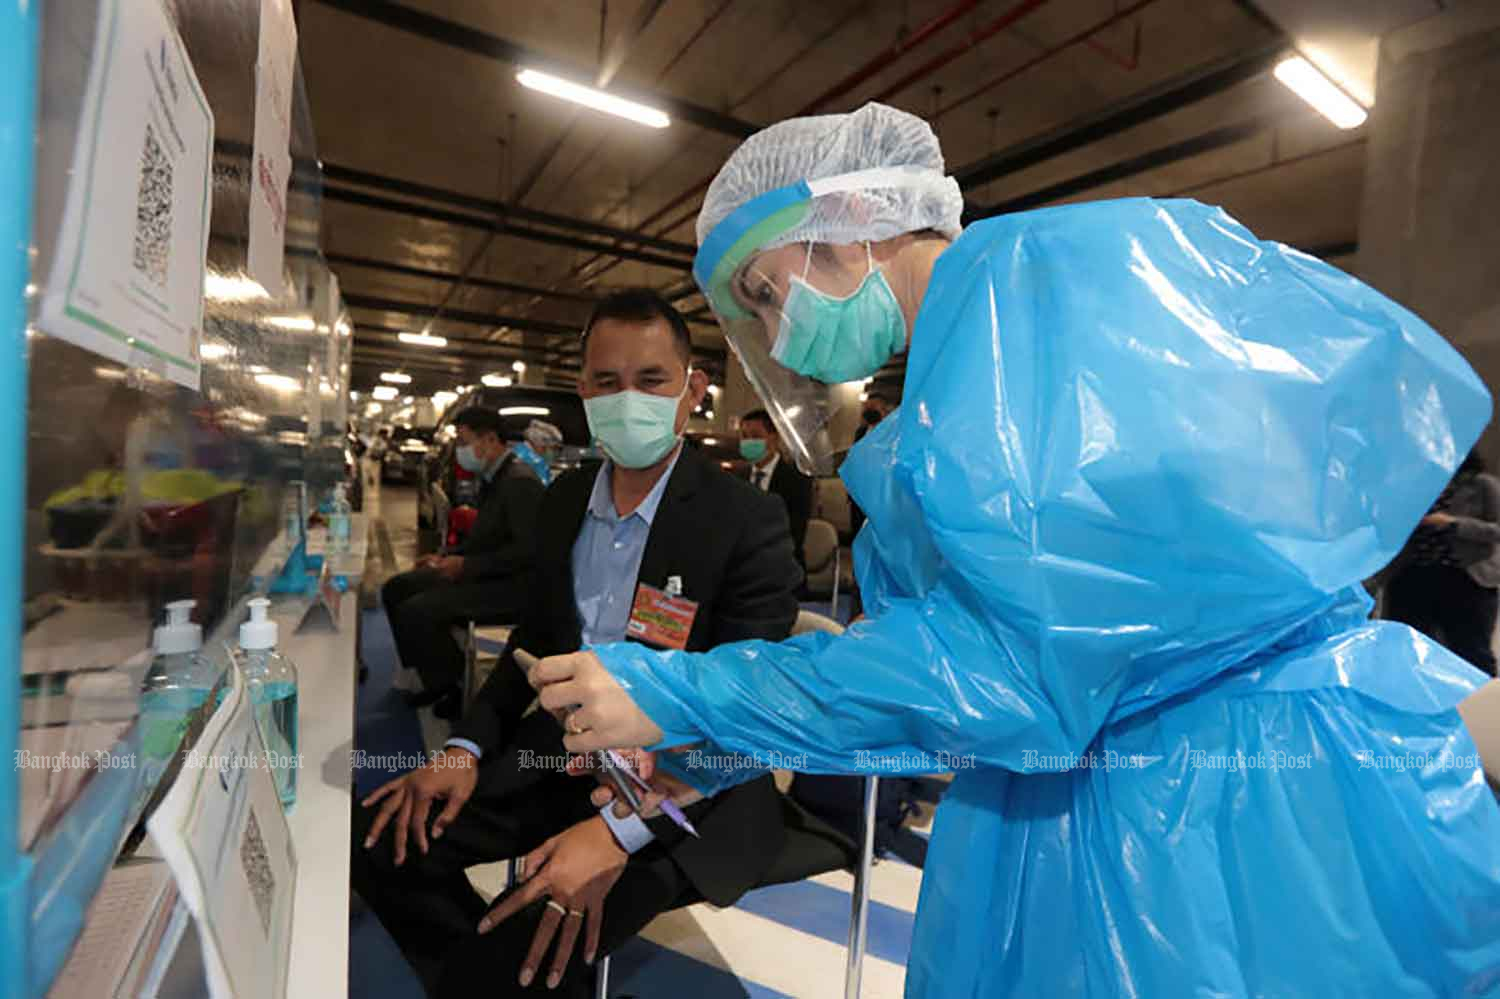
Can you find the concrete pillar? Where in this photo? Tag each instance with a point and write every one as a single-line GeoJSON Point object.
{"type": "Point", "coordinates": [1430, 224]}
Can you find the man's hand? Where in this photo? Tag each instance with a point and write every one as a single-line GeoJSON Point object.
{"type": "Point", "coordinates": [604, 716]}
{"type": "Point", "coordinates": [450, 777]}
{"type": "Point", "coordinates": [450, 566]}
{"type": "Point", "coordinates": [574, 871]}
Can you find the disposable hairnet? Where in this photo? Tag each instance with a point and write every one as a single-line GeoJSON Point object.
{"type": "Point", "coordinates": [540, 434]}
{"type": "Point", "coordinates": [802, 149]}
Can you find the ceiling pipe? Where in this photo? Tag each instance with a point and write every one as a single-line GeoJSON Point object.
{"type": "Point", "coordinates": [1083, 37]}
{"type": "Point", "coordinates": [975, 37]}
{"type": "Point", "coordinates": [520, 323]}
{"type": "Point", "coordinates": [509, 287]}
{"type": "Point", "coordinates": [459, 36]}
{"type": "Point", "coordinates": [1149, 105]}
{"type": "Point", "coordinates": [890, 55]}
{"type": "Point", "coordinates": [1154, 159]}
{"type": "Point", "coordinates": [501, 209]}
{"type": "Point", "coordinates": [486, 224]}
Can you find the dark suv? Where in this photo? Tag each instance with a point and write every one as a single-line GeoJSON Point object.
{"type": "Point", "coordinates": [518, 406]}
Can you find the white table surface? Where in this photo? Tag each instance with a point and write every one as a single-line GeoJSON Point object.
{"type": "Point", "coordinates": [326, 681]}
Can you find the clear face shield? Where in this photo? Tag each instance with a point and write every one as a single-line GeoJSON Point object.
{"type": "Point", "coordinates": [783, 311]}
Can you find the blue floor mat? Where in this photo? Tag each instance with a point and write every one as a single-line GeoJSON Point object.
{"type": "Point", "coordinates": [386, 731]}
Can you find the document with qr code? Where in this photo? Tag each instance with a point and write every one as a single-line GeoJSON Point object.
{"type": "Point", "coordinates": [126, 277]}
{"type": "Point", "coordinates": [222, 831]}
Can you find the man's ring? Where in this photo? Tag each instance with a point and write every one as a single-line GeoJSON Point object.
{"type": "Point", "coordinates": [552, 903]}
{"type": "Point", "coordinates": [575, 912]}
{"type": "Point", "coordinates": [573, 727]}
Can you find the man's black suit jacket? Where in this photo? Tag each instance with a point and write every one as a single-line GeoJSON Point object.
{"type": "Point", "coordinates": [730, 545]}
{"type": "Point", "coordinates": [502, 542]}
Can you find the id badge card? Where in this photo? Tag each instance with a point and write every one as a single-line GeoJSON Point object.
{"type": "Point", "coordinates": [660, 619]}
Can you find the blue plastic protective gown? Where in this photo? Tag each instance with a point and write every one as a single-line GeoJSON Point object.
{"type": "Point", "coordinates": [1112, 564]}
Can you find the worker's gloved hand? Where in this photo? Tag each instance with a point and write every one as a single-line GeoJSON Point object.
{"type": "Point", "coordinates": [599, 714]}
{"type": "Point", "coordinates": [643, 762]}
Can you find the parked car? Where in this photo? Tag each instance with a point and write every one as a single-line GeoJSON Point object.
{"type": "Point", "coordinates": [406, 454]}
{"type": "Point", "coordinates": [440, 482]}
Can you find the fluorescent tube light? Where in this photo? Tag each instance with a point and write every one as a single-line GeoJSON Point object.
{"type": "Point", "coordinates": [1309, 83]}
{"type": "Point", "coordinates": [592, 98]}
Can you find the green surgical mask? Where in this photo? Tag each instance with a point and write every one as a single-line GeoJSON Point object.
{"type": "Point", "coordinates": [835, 339]}
{"type": "Point", "coordinates": [635, 429]}
{"type": "Point", "coordinates": [753, 448]}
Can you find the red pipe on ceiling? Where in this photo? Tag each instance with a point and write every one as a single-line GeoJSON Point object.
{"type": "Point", "coordinates": [890, 55]}
{"type": "Point", "coordinates": [1042, 57]}
{"type": "Point", "coordinates": [978, 35]}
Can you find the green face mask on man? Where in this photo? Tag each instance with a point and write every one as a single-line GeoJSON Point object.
{"type": "Point", "coordinates": [635, 429]}
{"type": "Point", "coordinates": [753, 449]}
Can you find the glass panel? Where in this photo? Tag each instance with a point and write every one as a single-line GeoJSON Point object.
{"type": "Point", "coordinates": [141, 492]}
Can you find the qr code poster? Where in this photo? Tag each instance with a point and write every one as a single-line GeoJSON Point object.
{"type": "Point", "coordinates": [127, 278]}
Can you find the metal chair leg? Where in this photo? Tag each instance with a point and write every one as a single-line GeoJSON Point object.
{"type": "Point", "coordinates": [860, 898]}
{"type": "Point", "coordinates": [601, 978]}
{"type": "Point", "coordinates": [838, 566]}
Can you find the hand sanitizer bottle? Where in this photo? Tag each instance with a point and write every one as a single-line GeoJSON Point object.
{"type": "Point", "coordinates": [271, 684]}
{"type": "Point", "coordinates": [339, 522]}
{"type": "Point", "coordinates": [180, 676]}
{"type": "Point", "coordinates": [176, 685]}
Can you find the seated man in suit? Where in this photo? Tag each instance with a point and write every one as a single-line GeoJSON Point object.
{"type": "Point", "coordinates": [485, 579]}
{"type": "Point", "coordinates": [760, 444]}
{"type": "Point", "coordinates": [656, 522]}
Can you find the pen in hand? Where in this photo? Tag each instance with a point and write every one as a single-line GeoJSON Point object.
{"type": "Point", "coordinates": [619, 771]}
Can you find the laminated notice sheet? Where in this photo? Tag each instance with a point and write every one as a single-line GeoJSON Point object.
{"type": "Point", "coordinates": [222, 830]}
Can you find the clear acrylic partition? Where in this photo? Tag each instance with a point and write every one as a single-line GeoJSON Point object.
{"type": "Point", "coordinates": [140, 492]}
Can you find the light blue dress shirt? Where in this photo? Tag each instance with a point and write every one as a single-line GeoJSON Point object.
{"type": "Point", "coordinates": [606, 561]}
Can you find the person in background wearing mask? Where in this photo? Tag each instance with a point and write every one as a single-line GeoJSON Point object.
{"type": "Point", "coordinates": [760, 445]}
{"type": "Point", "coordinates": [1112, 568]}
{"type": "Point", "coordinates": [485, 580]}
{"type": "Point", "coordinates": [657, 544]}
{"type": "Point", "coordinates": [537, 447]}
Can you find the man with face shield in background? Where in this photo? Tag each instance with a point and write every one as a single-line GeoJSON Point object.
{"type": "Point", "coordinates": [1111, 570]}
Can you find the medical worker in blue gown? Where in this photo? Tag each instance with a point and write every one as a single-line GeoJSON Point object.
{"type": "Point", "coordinates": [1116, 536]}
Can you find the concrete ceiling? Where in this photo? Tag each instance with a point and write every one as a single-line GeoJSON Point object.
{"type": "Point", "coordinates": [423, 131]}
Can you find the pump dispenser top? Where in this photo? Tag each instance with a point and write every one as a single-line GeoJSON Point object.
{"type": "Point", "coordinates": [259, 632]}
{"type": "Point", "coordinates": [180, 634]}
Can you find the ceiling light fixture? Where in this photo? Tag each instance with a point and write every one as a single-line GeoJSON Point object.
{"type": "Point", "coordinates": [385, 393]}
{"type": "Point", "coordinates": [1313, 86]}
{"type": "Point", "coordinates": [395, 377]}
{"type": "Point", "coordinates": [589, 97]}
{"type": "Point", "coordinates": [496, 381]}
{"type": "Point", "coordinates": [422, 339]}
{"type": "Point", "coordinates": [519, 367]}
